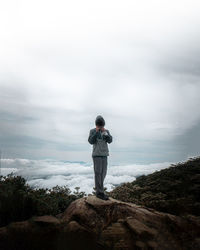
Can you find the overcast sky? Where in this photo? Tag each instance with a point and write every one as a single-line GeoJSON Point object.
{"type": "Point", "coordinates": [136, 63]}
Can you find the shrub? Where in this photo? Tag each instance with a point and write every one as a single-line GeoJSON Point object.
{"type": "Point", "coordinates": [18, 201]}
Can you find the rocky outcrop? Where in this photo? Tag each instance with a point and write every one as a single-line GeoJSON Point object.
{"type": "Point", "coordinates": [92, 223]}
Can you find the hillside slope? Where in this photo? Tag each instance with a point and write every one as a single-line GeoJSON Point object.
{"type": "Point", "coordinates": [174, 190]}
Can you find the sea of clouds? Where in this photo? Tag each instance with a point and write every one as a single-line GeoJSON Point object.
{"type": "Point", "coordinates": [48, 173]}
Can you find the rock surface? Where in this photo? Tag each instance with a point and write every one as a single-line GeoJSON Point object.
{"type": "Point", "coordinates": [92, 223]}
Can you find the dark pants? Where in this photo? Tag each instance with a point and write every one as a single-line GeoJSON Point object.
{"type": "Point", "coordinates": [100, 170]}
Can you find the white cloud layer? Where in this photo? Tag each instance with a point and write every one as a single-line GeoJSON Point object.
{"type": "Point", "coordinates": [48, 173]}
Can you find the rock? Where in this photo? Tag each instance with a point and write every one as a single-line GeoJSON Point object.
{"type": "Point", "coordinates": [45, 220]}
{"type": "Point", "coordinates": [91, 223]}
{"type": "Point", "coordinates": [140, 229]}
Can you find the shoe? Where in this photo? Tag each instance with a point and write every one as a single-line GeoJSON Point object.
{"type": "Point", "coordinates": [102, 196]}
{"type": "Point", "coordinates": [106, 197]}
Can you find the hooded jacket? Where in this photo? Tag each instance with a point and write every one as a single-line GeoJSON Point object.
{"type": "Point", "coordinates": [100, 139]}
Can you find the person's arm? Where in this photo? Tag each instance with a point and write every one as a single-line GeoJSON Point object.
{"type": "Point", "coordinates": [108, 137]}
{"type": "Point", "coordinates": [92, 136]}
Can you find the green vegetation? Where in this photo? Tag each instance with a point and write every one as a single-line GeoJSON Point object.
{"type": "Point", "coordinates": [174, 190]}
{"type": "Point", "coordinates": [18, 201]}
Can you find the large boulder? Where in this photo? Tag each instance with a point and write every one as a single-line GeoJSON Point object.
{"type": "Point", "coordinates": [92, 223]}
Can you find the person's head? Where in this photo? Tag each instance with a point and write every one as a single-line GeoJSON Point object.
{"type": "Point", "coordinates": [100, 122]}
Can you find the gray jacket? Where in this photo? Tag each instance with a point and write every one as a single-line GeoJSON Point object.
{"type": "Point", "coordinates": [100, 141]}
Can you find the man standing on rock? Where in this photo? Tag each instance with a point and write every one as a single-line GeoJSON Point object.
{"type": "Point", "coordinates": [99, 137]}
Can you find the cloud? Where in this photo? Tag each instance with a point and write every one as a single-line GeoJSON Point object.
{"type": "Point", "coordinates": [49, 173]}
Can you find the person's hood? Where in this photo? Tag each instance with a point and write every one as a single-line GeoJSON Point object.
{"type": "Point", "coordinates": [100, 121]}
